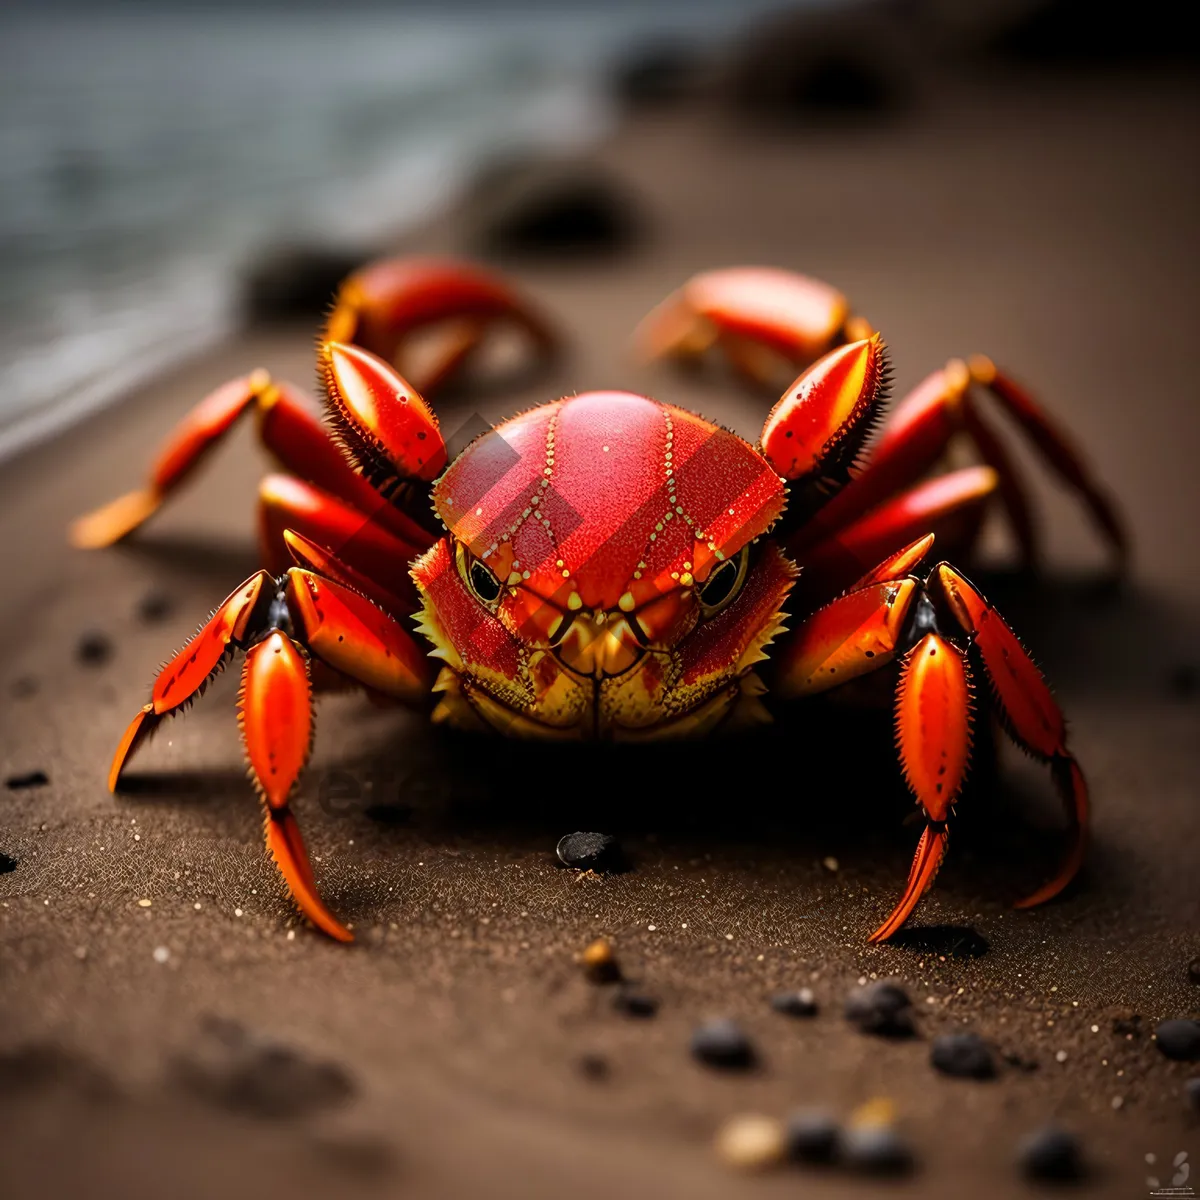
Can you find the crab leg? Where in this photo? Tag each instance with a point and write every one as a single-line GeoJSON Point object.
{"type": "Point", "coordinates": [951, 504]}
{"type": "Point", "coordinates": [283, 625]}
{"type": "Point", "coordinates": [1055, 448]}
{"type": "Point", "coordinates": [286, 503]}
{"type": "Point", "coordinates": [933, 735]}
{"type": "Point", "coordinates": [867, 627]}
{"type": "Point", "coordinates": [275, 711]}
{"type": "Point", "coordinates": [183, 451]}
{"type": "Point", "coordinates": [916, 437]}
{"type": "Point", "coordinates": [285, 427]}
{"type": "Point", "coordinates": [381, 306]}
{"type": "Point", "coordinates": [1027, 708]}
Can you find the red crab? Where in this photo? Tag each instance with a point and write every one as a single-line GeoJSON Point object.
{"type": "Point", "coordinates": [607, 566]}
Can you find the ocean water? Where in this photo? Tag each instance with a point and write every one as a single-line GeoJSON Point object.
{"type": "Point", "coordinates": [144, 154]}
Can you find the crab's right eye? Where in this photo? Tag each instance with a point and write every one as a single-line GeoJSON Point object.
{"type": "Point", "coordinates": [478, 576]}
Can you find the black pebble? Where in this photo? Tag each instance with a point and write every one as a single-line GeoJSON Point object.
{"type": "Point", "coordinates": [24, 687]}
{"type": "Point", "coordinates": [1194, 971]}
{"type": "Point", "coordinates": [7, 863]}
{"type": "Point", "coordinates": [1191, 1090]}
{"type": "Point", "coordinates": [812, 1137]}
{"type": "Point", "coordinates": [800, 1003]}
{"type": "Point", "coordinates": [1051, 1154]}
{"type": "Point", "coordinates": [589, 851]}
{"type": "Point", "coordinates": [877, 1149]}
{"type": "Point", "coordinates": [30, 779]}
{"type": "Point", "coordinates": [721, 1043]}
{"type": "Point", "coordinates": [154, 607]}
{"type": "Point", "coordinates": [94, 649]}
{"type": "Point", "coordinates": [1184, 681]}
{"type": "Point", "coordinates": [881, 1008]}
{"type": "Point", "coordinates": [635, 1004]}
{"type": "Point", "coordinates": [593, 1066]}
{"type": "Point", "coordinates": [965, 1055]}
{"type": "Point", "coordinates": [1128, 1023]}
{"type": "Point", "coordinates": [1179, 1039]}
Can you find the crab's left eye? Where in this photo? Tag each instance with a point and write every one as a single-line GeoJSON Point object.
{"type": "Point", "coordinates": [721, 588]}
{"type": "Point", "coordinates": [478, 577]}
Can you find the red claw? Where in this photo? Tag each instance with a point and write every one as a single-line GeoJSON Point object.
{"type": "Point", "coordinates": [388, 427]}
{"type": "Point", "coordinates": [821, 421]}
{"type": "Point", "coordinates": [794, 316]}
{"type": "Point", "coordinates": [379, 307]}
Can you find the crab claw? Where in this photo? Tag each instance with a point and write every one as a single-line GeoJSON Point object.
{"type": "Point", "coordinates": [382, 305]}
{"type": "Point", "coordinates": [389, 430]}
{"type": "Point", "coordinates": [756, 315]}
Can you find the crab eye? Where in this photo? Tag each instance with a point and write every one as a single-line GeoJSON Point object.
{"type": "Point", "coordinates": [722, 586]}
{"type": "Point", "coordinates": [478, 577]}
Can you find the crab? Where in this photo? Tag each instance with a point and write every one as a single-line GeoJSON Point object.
{"type": "Point", "coordinates": [607, 566]}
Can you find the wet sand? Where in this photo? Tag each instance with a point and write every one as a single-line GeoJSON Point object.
{"type": "Point", "coordinates": [1054, 230]}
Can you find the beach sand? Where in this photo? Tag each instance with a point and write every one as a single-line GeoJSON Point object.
{"type": "Point", "coordinates": [1052, 227]}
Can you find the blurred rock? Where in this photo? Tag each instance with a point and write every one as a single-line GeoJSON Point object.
{"type": "Point", "coordinates": [659, 74]}
{"type": "Point", "coordinates": [539, 207]}
{"type": "Point", "coordinates": [1067, 32]}
{"type": "Point", "coordinates": [851, 60]}
{"type": "Point", "coordinates": [294, 282]}
{"type": "Point", "coordinates": [233, 1068]}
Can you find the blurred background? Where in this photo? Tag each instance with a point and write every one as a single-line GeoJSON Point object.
{"type": "Point", "coordinates": [152, 151]}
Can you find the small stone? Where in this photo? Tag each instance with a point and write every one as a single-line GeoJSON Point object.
{"type": "Point", "coordinates": [30, 779]}
{"type": "Point", "coordinates": [635, 1004]}
{"type": "Point", "coordinates": [1193, 971]}
{"type": "Point", "coordinates": [722, 1043]}
{"type": "Point", "coordinates": [1179, 1039]}
{"type": "Point", "coordinates": [881, 1008]}
{"type": "Point", "coordinates": [812, 1136]}
{"type": "Point", "coordinates": [145, 903]}
{"type": "Point", "coordinates": [600, 962]}
{"type": "Point", "coordinates": [964, 1055]}
{"type": "Point", "coordinates": [800, 1003]}
{"type": "Point", "coordinates": [830, 863]}
{"type": "Point", "coordinates": [589, 851]}
{"type": "Point", "coordinates": [751, 1142]}
{"type": "Point", "coordinates": [1128, 1024]}
{"type": "Point", "coordinates": [1060, 1056]}
{"type": "Point", "coordinates": [876, 1149]}
{"type": "Point", "coordinates": [94, 648]}
{"type": "Point", "coordinates": [154, 607]}
{"type": "Point", "coordinates": [1191, 1089]}
{"type": "Point", "coordinates": [161, 954]}
{"type": "Point", "coordinates": [1183, 682]}
{"type": "Point", "coordinates": [593, 1066]}
{"type": "Point", "coordinates": [1051, 1154]}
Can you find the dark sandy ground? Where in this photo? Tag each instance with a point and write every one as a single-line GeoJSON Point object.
{"type": "Point", "coordinates": [441, 1056]}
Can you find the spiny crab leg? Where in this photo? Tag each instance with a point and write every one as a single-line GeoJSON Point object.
{"type": "Point", "coordinates": [286, 427]}
{"type": "Point", "coordinates": [944, 621]}
{"type": "Point", "coordinates": [279, 624]}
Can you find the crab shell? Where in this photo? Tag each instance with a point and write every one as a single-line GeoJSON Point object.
{"type": "Point", "coordinates": [569, 597]}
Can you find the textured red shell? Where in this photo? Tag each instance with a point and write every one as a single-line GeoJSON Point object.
{"type": "Point", "coordinates": [607, 492]}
